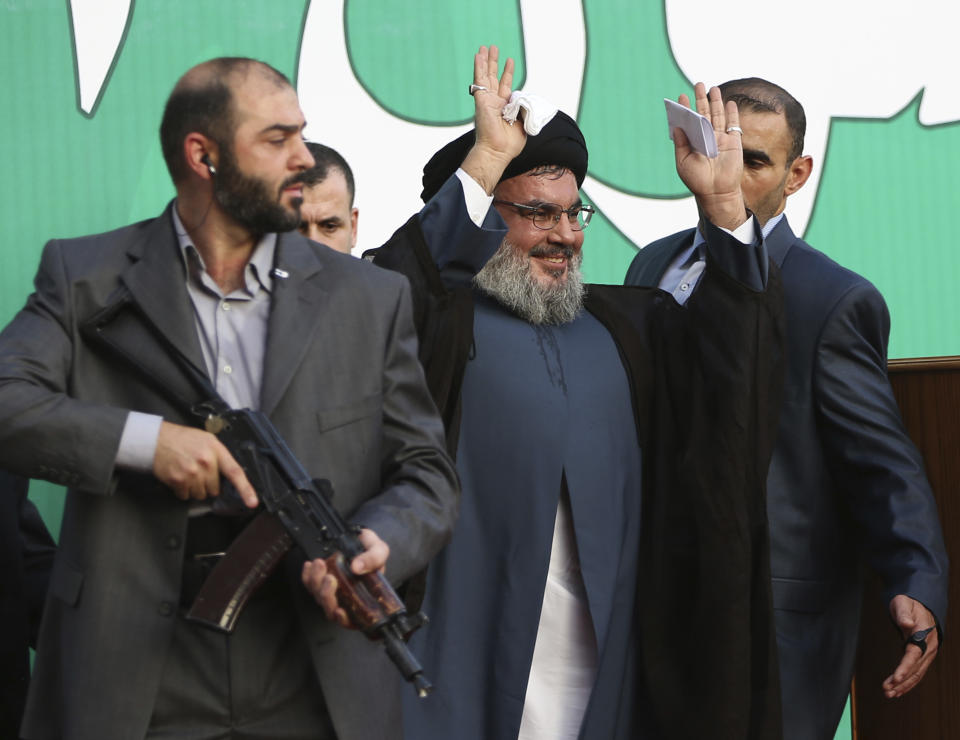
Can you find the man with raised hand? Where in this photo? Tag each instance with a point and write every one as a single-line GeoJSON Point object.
{"type": "Point", "coordinates": [845, 483]}
{"type": "Point", "coordinates": [590, 589]}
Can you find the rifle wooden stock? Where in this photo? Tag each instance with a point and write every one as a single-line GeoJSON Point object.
{"type": "Point", "coordinates": [368, 599]}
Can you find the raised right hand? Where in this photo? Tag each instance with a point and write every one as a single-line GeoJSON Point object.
{"type": "Point", "coordinates": [190, 462]}
{"type": "Point", "coordinates": [497, 142]}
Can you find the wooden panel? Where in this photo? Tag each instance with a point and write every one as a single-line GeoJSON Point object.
{"type": "Point", "coordinates": [928, 392]}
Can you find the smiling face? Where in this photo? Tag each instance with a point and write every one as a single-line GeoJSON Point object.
{"type": "Point", "coordinates": [535, 272]}
{"type": "Point", "coordinates": [326, 215]}
{"type": "Point", "coordinates": [549, 253]}
{"type": "Point", "coordinates": [258, 181]}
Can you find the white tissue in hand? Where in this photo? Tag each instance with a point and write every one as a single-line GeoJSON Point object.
{"type": "Point", "coordinates": [537, 111]}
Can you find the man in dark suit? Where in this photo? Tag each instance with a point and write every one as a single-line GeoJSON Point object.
{"type": "Point", "coordinates": [323, 344]}
{"type": "Point", "coordinates": [26, 556]}
{"type": "Point", "coordinates": [845, 481]}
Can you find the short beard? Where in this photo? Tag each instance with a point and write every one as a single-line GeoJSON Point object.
{"type": "Point", "coordinates": [508, 277]}
{"type": "Point", "coordinates": [248, 201]}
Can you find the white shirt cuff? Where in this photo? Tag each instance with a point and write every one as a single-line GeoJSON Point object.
{"type": "Point", "coordinates": [474, 197]}
{"type": "Point", "coordinates": [138, 443]}
{"type": "Point", "coordinates": [745, 233]}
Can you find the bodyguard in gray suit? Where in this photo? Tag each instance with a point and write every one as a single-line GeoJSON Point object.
{"type": "Point", "coordinates": [320, 342]}
{"type": "Point", "coordinates": [845, 484]}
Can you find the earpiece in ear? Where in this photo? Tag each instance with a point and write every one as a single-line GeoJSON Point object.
{"type": "Point", "coordinates": [206, 160]}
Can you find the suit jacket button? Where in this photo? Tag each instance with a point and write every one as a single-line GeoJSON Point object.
{"type": "Point", "coordinates": [166, 609]}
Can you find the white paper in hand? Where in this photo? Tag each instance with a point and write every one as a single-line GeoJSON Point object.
{"type": "Point", "coordinates": [698, 128]}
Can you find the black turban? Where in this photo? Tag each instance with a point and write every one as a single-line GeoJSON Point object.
{"type": "Point", "coordinates": [559, 142]}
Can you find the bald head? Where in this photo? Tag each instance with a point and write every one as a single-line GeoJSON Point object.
{"type": "Point", "coordinates": [202, 102]}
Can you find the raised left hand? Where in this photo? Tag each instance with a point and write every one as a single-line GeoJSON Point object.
{"type": "Point", "coordinates": [911, 616]}
{"type": "Point", "coordinates": [714, 182]}
{"type": "Point", "coordinates": [323, 585]}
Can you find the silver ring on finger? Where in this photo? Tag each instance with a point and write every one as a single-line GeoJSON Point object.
{"type": "Point", "coordinates": [477, 88]}
{"type": "Point", "coordinates": [735, 128]}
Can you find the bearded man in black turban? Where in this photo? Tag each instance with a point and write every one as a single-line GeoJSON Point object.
{"type": "Point", "coordinates": [607, 577]}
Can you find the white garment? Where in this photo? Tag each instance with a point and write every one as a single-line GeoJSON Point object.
{"type": "Point", "coordinates": [565, 659]}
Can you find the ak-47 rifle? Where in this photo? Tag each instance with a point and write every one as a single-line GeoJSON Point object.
{"type": "Point", "coordinates": [297, 509]}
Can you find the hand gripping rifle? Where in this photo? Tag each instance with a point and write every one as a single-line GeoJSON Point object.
{"type": "Point", "coordinates": [297, 509]}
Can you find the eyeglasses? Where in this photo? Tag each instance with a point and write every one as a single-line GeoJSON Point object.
{"type": "Point", "coordinates": [547, 215]}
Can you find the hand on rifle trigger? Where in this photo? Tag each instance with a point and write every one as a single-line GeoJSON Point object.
{"type": "Point", "coordinates": [190, 461]}
{"type": "Point", "coordinates": [323, 585]}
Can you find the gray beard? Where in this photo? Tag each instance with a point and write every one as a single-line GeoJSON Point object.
{"type": "Point", "coordinates": [508, 278]}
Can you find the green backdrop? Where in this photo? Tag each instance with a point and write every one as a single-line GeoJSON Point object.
{"type": "Point", "coordinates": [885, 206]}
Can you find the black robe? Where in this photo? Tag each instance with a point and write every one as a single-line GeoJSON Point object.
{"type": "Point", "coordinates": [704, 381]}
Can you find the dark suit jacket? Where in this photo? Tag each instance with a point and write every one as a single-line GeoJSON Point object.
{"type": "Point", "coordinates": [26, 557]}
{"type": "Point", "coordinates": [845, 481]}
{"type": "Point", "coordinates": [342, 384]}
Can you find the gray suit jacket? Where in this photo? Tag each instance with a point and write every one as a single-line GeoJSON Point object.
{"type": "Point", "coordinates": [341, 383]}
{"type": "Point", "coordinates": [845, 485]}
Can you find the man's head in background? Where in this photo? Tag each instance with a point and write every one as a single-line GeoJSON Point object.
{"type": "Point", "coordinates": [328, 215]}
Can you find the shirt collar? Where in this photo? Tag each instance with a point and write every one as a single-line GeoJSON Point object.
{"type": "Point", "coordinates": [695, 251]}
{"type": "Point", "coordinates": [772, 224]}
{"type": "Point", "coordinates": [256, 274]}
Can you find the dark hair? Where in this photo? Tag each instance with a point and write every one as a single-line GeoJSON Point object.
{"type": "Point", "coordinates": [202, 101]}
{"type": "Point", "coordinates": [756, 94]}
{"type": "Point", "coordinates": [324, 158]}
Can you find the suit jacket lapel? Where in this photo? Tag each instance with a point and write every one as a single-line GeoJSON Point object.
{"type": "Point", "coordinates": [157, 284]}
{"type": "Point", "coordinates": [147, 321]}
{"type": "Point", "coordinates": [779, 241]}
{"type": "Point", "coordinates": [657, 265]}
{"type": "Point", "coordinates": [294, 306]}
